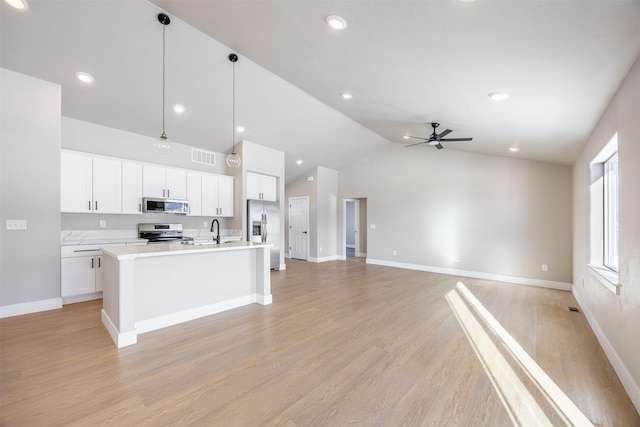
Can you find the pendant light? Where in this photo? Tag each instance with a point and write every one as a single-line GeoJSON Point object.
{"type": "Point", "coordinates": [162, 144]}
{"type": "Point", "coordinates": [233, 160]}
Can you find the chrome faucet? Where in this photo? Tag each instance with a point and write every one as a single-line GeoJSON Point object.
{"type": "Point", "coordinates": [217, 238]}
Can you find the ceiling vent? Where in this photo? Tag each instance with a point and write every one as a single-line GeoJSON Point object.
{"type": "Point", "coordinates": [205, 157]}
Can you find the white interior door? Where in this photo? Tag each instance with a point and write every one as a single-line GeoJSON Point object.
{"type": "Point", "coordinates": [299, 227]}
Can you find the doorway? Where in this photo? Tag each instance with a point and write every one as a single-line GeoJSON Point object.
{"type": "Point", "coordinates": [354, 236]}
{"type": "Point", "coordinates": [299, 228]}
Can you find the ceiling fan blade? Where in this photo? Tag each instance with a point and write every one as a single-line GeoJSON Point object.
{"type": "Point", "coordinates": [416, 143]}
{"type": "Point", "coordinates": [418, 137]}
{"type": "Point", "coordinates": [439, 146]}
{"type": "Point", "coordinates": [455, 139]}
{"type": "Point", "coordinates": [444, 132]}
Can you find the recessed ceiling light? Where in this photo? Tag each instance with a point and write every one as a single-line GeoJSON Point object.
{"type": "Point", "coordinates": [499, 96]}
{"type": "Point", "coordinates": [347, 95]}
{"type": "Point", "coordinates": [84, 77]}
{"type": "Point", "coordinates": [240, 128]}
{"type": "Point", "coordinates": [405, 136]}
{"type": "Point", "coordinates": [298, 162]}
{"type": "Point", "coordinates": [514, 149]}
{"type": "Point", "coordinates": [336, 22]}
{"type": "Point", "coordinates": [18, 4]}
{"type": "Point", "coordinates": [179, 108]}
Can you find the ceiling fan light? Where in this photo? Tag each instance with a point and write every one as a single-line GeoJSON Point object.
{"type": "Point", "coordinates": [336, 22]}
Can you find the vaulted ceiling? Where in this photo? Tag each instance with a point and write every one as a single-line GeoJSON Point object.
{"type": "Point", "coordinates": [406, 63]}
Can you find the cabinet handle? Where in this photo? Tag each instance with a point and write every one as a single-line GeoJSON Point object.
{"type": "Point", "coordinates": [139, 207]}
{"type": "Point", "coordinates": [91, 262]}
{"type": "Point", "coordinates": [163, 190]}
{"type": "Point", "coordinates": [89, 205]}
{"type": "Point", "coordinates": [168, 193]}
{"type": "Point", "coordinates": [96, 203]}
{"type": "Point", "coordinates": [99, 262]}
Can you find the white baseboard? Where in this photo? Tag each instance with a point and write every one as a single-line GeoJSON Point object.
{"type": "Point", "coordinates": [632, 388]}
{"type": "Point", "coordinates": [120, 339]}
{"type": "Point", "coordinates": [82, 298]}
{"type": "Point", "coordinates": [326, 258]}
{"type": "Point", "coordinates": [350, 246]}
{"type": "Point", "coordinates": [148, 325]}
{"type": "Point", "coordinates": [475, 274]}
{"type": "Point", "coordinates": [30, 307]}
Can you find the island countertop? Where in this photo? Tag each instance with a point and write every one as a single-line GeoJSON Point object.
{"type": "Point", "coordinates": [163, 249]}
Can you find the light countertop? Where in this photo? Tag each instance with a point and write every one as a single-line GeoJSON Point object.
{"type": "Point", "coordinates": [164, 249]}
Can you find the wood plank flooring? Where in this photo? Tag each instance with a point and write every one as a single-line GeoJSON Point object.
{"type": "Point", "coordinates": [344, 343]}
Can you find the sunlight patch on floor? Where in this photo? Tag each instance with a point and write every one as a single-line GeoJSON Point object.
{"type": "Point", "coordinates": [529, 396]}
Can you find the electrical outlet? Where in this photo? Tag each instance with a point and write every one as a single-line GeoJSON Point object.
{"type": "Point", "coordinates": [205, 224]}
{"type": "Point", "coordinates": [372, 226]}
{"type": "Point", "coordinates": [545, 267]}
{"type": "Point", "coordinates": [395, 252]}
{"type": "Point", "coordinates": [456, 258]}
{"type": "Point", "coordinates": [103, 223]}
{"type": "Point", "coordinates": [16, 224]}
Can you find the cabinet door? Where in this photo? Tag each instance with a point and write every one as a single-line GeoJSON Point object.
{"type": "Point", "coordinates": [225, 195]}
{"type": "Point", "coordinates": [253, 186]}
{"type": "Point", "coordinates": [131, 188]}
{"type": "Point", "coordinates": [97, 264]}
{"type": "Point", "coordinates": [75, 186]}
{"type": "Point", "coordinates": [209, 194]}
{"type": "Point", "coordinates": [77, 276]}
{"type": "Point", "coordinates": [268, 188]}
{"type": "Point", "coordinates": [176, 183]}
{"type": "Point", "coordinates": [107, 185]}
{"type": "Point", "coordinates": [194, 193]}
{"type": "Point", "coordinates": [153, 181]}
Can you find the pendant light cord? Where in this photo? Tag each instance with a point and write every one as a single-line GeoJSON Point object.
{"type": "Point", "coordinates": [233, 112]}
{"type": "Point", "coordinates": [164, 29]}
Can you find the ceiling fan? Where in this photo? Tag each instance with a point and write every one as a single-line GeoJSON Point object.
{"type": "Point", "coordinates": [435, 139]}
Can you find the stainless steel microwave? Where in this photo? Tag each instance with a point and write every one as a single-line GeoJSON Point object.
{"type": "Point", "coordinates": [150, 204]}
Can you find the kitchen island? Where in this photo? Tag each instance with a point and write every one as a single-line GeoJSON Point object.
{"type": "Point", "coordinates": [155, 286]}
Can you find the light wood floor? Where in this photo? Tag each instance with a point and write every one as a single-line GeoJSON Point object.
{"type": "Point", "coordinates": [344, 343]}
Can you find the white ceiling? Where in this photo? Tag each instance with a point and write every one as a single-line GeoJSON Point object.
{"type": "Point", "coordinates": [405, 62]}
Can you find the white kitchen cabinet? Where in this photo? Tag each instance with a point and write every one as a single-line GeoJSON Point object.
{"type": "Point", "coordinates": [78, 275]}
{"type": "Point", "coordinates": [217, 195]}
{"type": "Point", "coordinates": [158, 181]}
{"type": "Point", "coordinates": [261, 187]}
{"type": "Point", "coordinates": [194, 193]}
{"type": "Point", "coordinates": [90, 184]}
{"type": "Point", "coordinates": [131, 188]}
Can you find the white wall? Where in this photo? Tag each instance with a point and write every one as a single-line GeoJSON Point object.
{"type": "Point", "coordinates": [327, 243]}
{"type": "Point", "coordinates": [501, 216]}
{"type": "Point", "coordinates": [614, 319]}
{"type": "Point", "coordinates": [30, 183]}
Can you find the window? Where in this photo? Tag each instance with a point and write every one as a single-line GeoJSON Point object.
{"type": "Point", "coordinates": [604, 216]}
{"type": "Point", "coordinates": [611, 223]}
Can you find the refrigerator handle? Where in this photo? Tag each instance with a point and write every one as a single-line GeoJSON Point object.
{"type": "Point", "coordinates": [264, 228]}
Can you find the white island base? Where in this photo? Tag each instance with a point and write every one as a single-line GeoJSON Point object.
{"type": "Point", "coordinates": [152, 287]}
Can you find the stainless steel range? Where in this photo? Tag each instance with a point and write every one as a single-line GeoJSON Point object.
{"type": "Point", "coordinates": [162, 233]}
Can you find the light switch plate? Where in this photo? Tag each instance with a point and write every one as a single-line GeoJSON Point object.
{"type": "Point", "coordinates": [16, 224]}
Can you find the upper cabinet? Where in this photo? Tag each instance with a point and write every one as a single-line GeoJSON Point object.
{"type": "Point", "coordinates": [217, 195]}
{"type": "Point", "coordinates": [131, 188]}
{"type": "Point", "coordinates": [163, 182]}
{"type": "Point", "coordinates": [99, 184]}
{"type": "Point", "coordinates": [261, 187]}
{"type": "Point", "coordinates": [90, 184]}
{"type": "Point", "coordinates": [194, 193]}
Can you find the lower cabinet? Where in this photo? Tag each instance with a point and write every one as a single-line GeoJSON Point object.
{"type": "Point", "coordinates": [81, 275]}
{"type": "Point", "coordinates": [81, 272]}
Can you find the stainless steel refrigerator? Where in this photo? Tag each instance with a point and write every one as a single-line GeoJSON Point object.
{"type": "Point", "coordinates": [263, 226]}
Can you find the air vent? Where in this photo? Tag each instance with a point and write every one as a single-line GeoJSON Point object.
{"type": "Point", "coordinates": [205, 157]}
{"type": "Point", "coordinates": [574, 309]}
